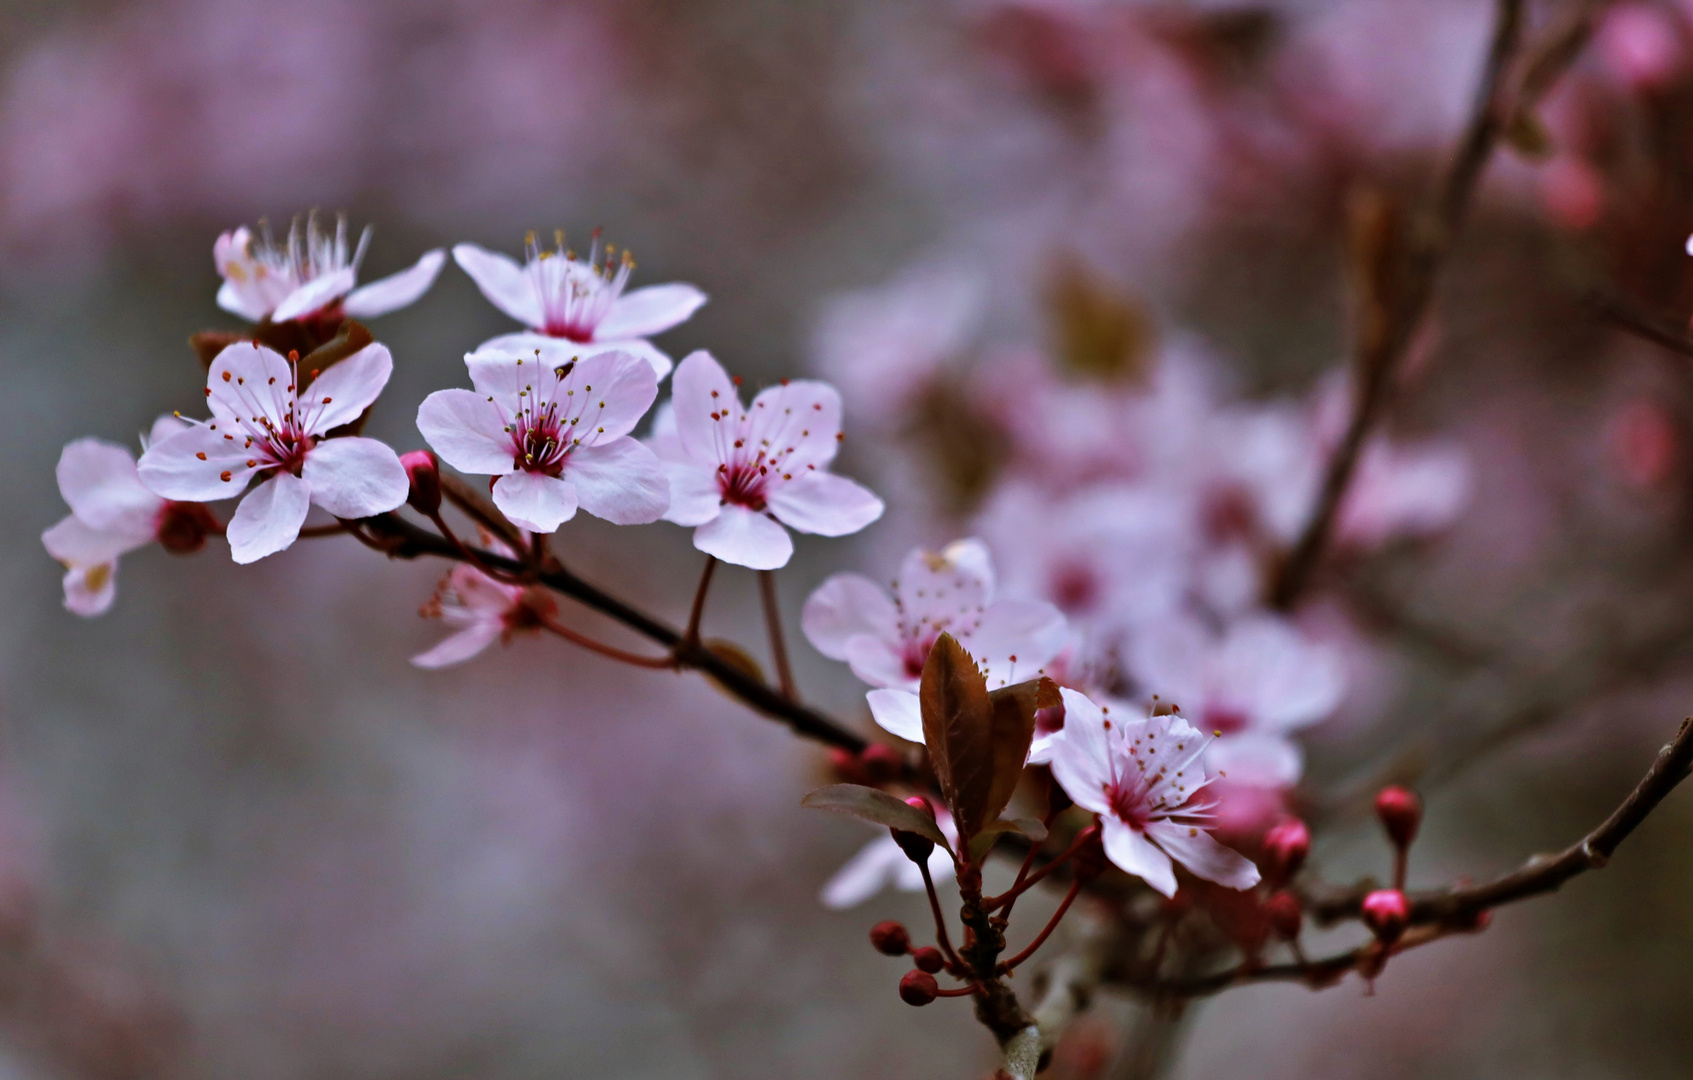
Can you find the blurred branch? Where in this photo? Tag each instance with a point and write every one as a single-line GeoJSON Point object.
{"type": "Point", "coordinates": [1398, 292]}
{"type": "Point", "coordinates": [1621, 313]}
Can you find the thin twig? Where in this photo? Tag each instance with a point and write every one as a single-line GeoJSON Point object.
{"type": "Point", "coordinates": [1672, 336]}
{"type": "Point", "coordinates": [941, 937]}
{"type": "Point", "coordinates": [773, 625]}
{"type": "Point", "coordinates": [1051, 925]}
{"type": "Point", "coordinates": [1381, 353]}
{"type": "Point", "coordinates": [565, 632]}
{"type": "Point", "coordinates": [691, 636]}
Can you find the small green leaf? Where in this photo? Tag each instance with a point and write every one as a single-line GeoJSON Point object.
{"type": "Point", "coordinates": [876, 807]}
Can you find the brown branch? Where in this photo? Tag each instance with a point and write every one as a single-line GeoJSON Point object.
{"type": "Point", "coordinates": [1400, 298]}
{"type": "Point", "coordinates": [400, 539]}
{"type": "Point", "coordinates": [1671, 335]}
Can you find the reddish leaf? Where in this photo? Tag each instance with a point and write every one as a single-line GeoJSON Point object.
{"type": "Point", "coordinates": [876, 807]}
{"type": "Point", "coordinates": [958, 723]}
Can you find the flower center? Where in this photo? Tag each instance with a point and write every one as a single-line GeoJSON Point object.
{"type": "Point", "coordinates": [1129, 803]}
{"type": "Point", "coordinates": [576, 296]}
{"type": "Point", "coordinates": [1224, 720]}
{"type": "Point", "coordinates": [742, 484]}
{"type": "Point", "coordinates": [1074, 587]}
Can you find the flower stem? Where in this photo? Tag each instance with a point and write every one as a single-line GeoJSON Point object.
{"type": "Point", "coordinates": [691, 636]}
{"type": "Point", "coordinates": [773, 623]}
{"type": "Point", "coordinates": [1024, 884]}
{"type": "Point", "coordinates": [1051, 925]}
{"type": "Point", "coordinates": [565, 632]}
{"type": "Point", "coordinates": [941, 937]}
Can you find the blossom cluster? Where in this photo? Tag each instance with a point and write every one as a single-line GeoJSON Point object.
{"type": "Point", "coordinates": [549, 419]}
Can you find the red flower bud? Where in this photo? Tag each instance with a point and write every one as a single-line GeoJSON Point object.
{"type": "Point", "coordinates": [1400, 812]}
{"type": "Point", "coordinates": [890, 938]}
{"type": "Point", "coordinates": [1386, 913]}
{"type": "Point", "coordinates": [881, 762]}
{"type": "Point", "coordinates": [183, 526]}
{"type": "Point", "coordinates": [916, 848]}
{"type": "Point", "coordinates": [425, 476]}
{"type": "Point", "coordinates": [917, 988]}
{"type": "Point", "coordinates": [847, 766]}
{"type": "Point", "coordinates": [928, 958]}
{"type": "Point", "coordinates": [1285, 847]}
{"type": "Point", "coordinates": [1283, 911]}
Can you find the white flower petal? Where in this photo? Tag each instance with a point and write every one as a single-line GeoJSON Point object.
{"type": "Point", "coordinates": [899, 712]}
{"type": "Point", "coordinates": [354, 478]}
{"type": "Point", "coordinates": [90, 590]}
{"type": "Point", "coordinates": [163, 428]}
{"type": "Point", "coordinates": [655, 357]}
{"type": "Point", "coordinates": [843, 607]}
{"type": "Point", "coordinates": [99, 484]}
{"type": "Point", "coordinates": [467, 430]}
{"type": "Point", "coordinates": [705, 404]}
{"type": "Point", "coordinates": [824, 504]}
{"type": "Point", "coordinates": [1139, 856]}
{"type": "Point", "coordinates": [249, 383]}
{"type": "Point", "coordinates": [198, 464]}
{"type": "Point", "coordinates": [746, 538]}
{"type": "Point", "coordinates": [506, 285]}
{"type": "Point", "coordinates": [535, 501]}
{"type": "Point", "coordinates": [695, 495]}
{"type": "Point", "coordinates": [1080, 757]}
{"type": "Point", "coordinates": [801, 419]}
{"type": "Point", "coordinates": [620, 481]}
{"type": "Point", "coordinates": [461, 646]}
{"type": "Point", "coordinates": [874, 868]}
{"type": "Point", "coordinates": [652, 310]}
{"type": "Point", "coordinates": [74, 542]}
{"type": "Point", "coordinates": [1257, 759]}
{"type": "Point", "coordinates": [315, 295]}
{"type": "Point", "coordinates": [878, 663]}
{"type": "Point", "coordinates": [269, 519]}
{"type": "Point", "coordinates": [1199, 851]}
{"type": "Point", "coordinates": [238, 299]}
{"type": "Point", "coordinates": [396, 290]}
{"type": "Point", "coordinates": [345, 390]}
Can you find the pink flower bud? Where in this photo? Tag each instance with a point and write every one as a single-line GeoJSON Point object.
{"type": "Point", "coordinates": [1400, 812]}
{"type": "Point", "coordinates": [918, 988]}
{"type": "Point", "coordinates": [1285, 847]}
{"type": "Point", "coordinates": [916, 848]}
{"type": "Point", "coordinates": [425, 476]}
{"type": "Point", "coordinates": [1386, 913]}
{"type": "Point", "coordinates": [928, 959]}
{"type": "Point", "coordinates": [1283, 911]}
{"type": "Point", "coordinates": [890, 938]}
{"type": "Point", "coordinates": [848, 768]}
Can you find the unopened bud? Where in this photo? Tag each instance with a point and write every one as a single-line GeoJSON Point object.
{"type": "Point", "coordinates": [847, 766]}
{"type": "Point", "coordinates": [928, 958]}
{"type": "Point", "coordinates": [1386, 913]}
{"type": "Point", "coordinates": [182, 527]}
{"type": "Point", "coordinates": [1283, 911]}
{"type": "Point", "coordinates": [1285, 847]}
{"type": "Point", "coordinates": [918, 988]}
{"type": "Point", "coordinates": [1400, 812]}
{"type": "Point", "coordinates": [916, 848]}
{"type": "Point", "coordinates": [881, 762]}
{"type": "Point", "coordinates": [425, 475]}
{"type": "Point", "coordinates": [890, 938]}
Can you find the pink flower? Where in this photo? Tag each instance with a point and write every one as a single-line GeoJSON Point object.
{"type": "Point", "coordinates": [579, 305]}
{"type": "Point", "coordinates": [480, 610]}
{"type": "Point", "coordinates": [881, 864]}
{"type": "Point", "coordinates": [1145, 779]}
{"type": "Point", "coordinates": [886, 639]}
{"type": "Point", "coordinates": [266, 280]}
{"type": "Point", "coordinates": [556, 436]}
{"type": "Point", "coordinates": [112, 514]}
{"type": "Point", "coordinates": [1404, 491]}
{"type": "Point", "coordinates": [1255, 683]}
{"type": "Point", "coordinates": [739, 474]}
{"type": "Point", "coordinates": [263, 422]}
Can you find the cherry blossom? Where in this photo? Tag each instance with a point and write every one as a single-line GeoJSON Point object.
{"type": "Point", "coordinates": [113, 513]}
{"type": "Point", "coordinates": [313, 272]}
{"type": "Point", "coordinates": [574, 307]}
{"type": "Point", "coordinates": [1255, 683]}
{"type": "Point", "coordinates": [480, 609]}
{"type": "Point", "coordinates": [886, 638]}
{"type": "Point", "coordinates": [881, 864]}
{"type": "Point", "coordinates": [557, 436]}
{"type": "Point", "coordinates": [1146, 778]}
{"type": "Point", "coordinates": [264, 422]}
{"type": "Point", "coordinates": [740, 474]}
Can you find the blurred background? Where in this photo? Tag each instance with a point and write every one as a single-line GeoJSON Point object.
{"type": "Point", "coordinates": [241, 835]}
